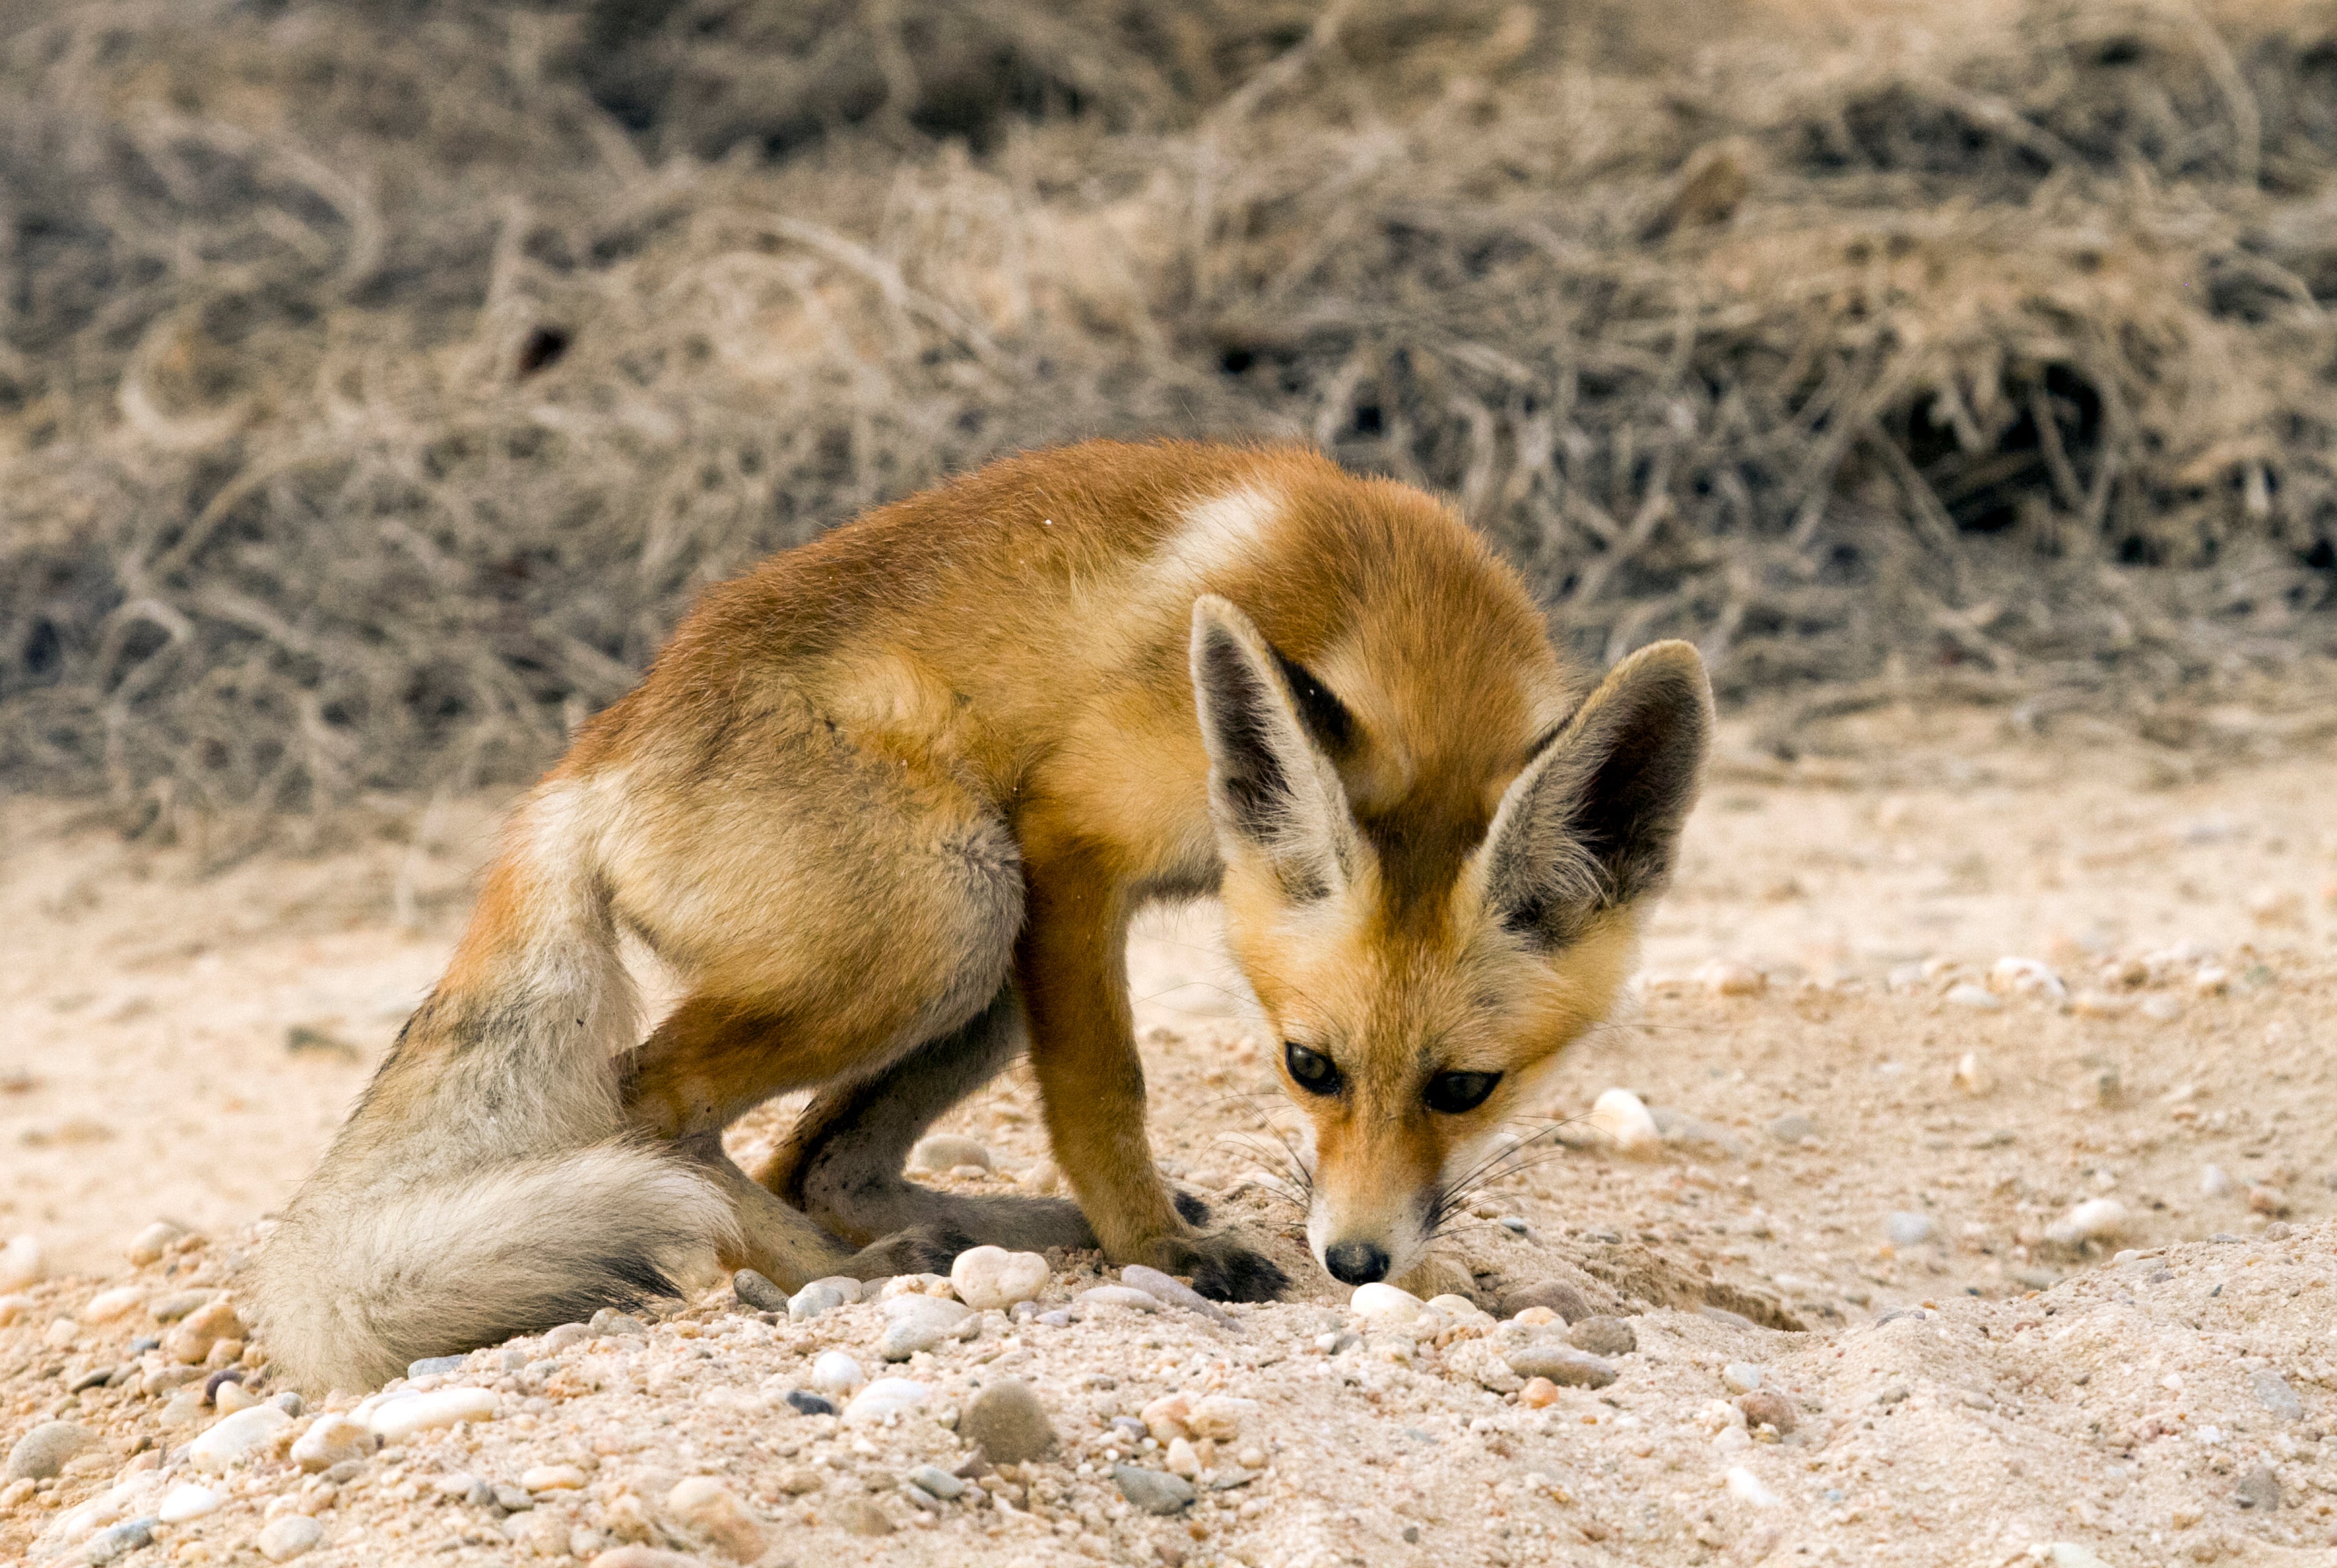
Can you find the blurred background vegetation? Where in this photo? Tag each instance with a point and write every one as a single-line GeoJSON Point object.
{"type": "Point", "coordinates": [379, 379]}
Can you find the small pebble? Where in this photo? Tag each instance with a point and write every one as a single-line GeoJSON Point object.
{"type": "Point", "coordinates": [1729, 977]}
{"type": "Point", "coordinates": [1218, 1418]}
{"type": "Point", "coordinates": [1540, 1393]}
{"type": "Point", "coordinates": [1154, 1491]}
{"type": "Point", "coordinates": [1746, 1487]}
{"type": "Point", "coordinates": [287, 1535]}
{"type": "Point", "coordinates": [2259, 1489]}
{"type": "Point", "coordinates": [1766, 1407]}
{"type": "Point", "coordinates": [192, 1337]}
{"type": "Point", "coordinates": [2026, 978]}
{"type": "Point", "coordinates": [915, 1324]}
{"type": "Point", "coordinates": [2096, 1219]}
{"type": "Point", "coordinates": [1170, 1291]}
{"type": "Point", "coordinates": [1624, 1118]}
{"type": "Point", "coordinates": [1965, 994]}
{"type": "Point", "coordinates": [1181, 1459]}
{"type": "Point", "coordinates": [859, 1517]}
{"type": "Point", "coordinates": [231, 1396]}
{"type": "Point", "coordinates": [1740, 1377]}
{"type": "Point", "coordinates": [2214, 1182]}
{"type": "Point", "coordinates": [834, 1372]}
{"type": "Point", "coordinates": [2272, 1392]}
{"type": "Point", "coordinates": [993, 1280]}
{"type": "Point", "coordinates": [1385, 1304]}
{"type": "Point", "coordinates": [1561, 1364]}
{"type": "Point", "coordinates": [107, 1305]}
{"type": "Point", "coordinates": [149, 1244]}
{"type": "Point", "coordinates": [393, 1420]}
{"type": "Point", "coordinates": [333, 1439]}
{"type": "Point", "coordinates": [431, 1365]}
{"type": "Point", "coordinates": [800, 1481]}
{"type": "Point", "coordinates": [170, 1308]}
{"type": "Point", "coordinates": [1793, 1127]}
{"type": "Point", "coordinates": [1604, 1336]}
{"type": "Point", "coordinates": [41, 1453]}
{"type": "Point", "coordinates": [1973, 1074]}
{"type": "Point", "coordinates": [934, 1479]}
{"type": "Point", "coordinates": [22, 1263]}
{"type": "Point", "coordinates": [608, 1321]}
{"type": "Point", "coordinates": [231, 1439]}
{"type": "Point", "coordinates": [186, 1501]}
{"type": "Point", "coordinates": [1908, 1229]}
{"type": "Point", "coordinates": [754, 1291]}
{"type": "Point", "coordinates": [112, 1544]}
{"type": "Point", "coordinates": [1006, 1420]}
{"type": "Point", "coordinates": [945, 1152]}
{"type": "Point", "coordinates": [1554, 1296]}
{"type": "Point", "coordinates": [552, 1478]}
{"type": "Point", "coordinates": [704, 1504]}
{"type": "Point", "coordinates": [807, 1403]}
{"type": "Point", "coordinates": [2266, 1199]}
{"type": "Point", "coordinates": [1120, 1296]}
{"type": "Point", "coordinates": [812, 1300]}
{"type": "Point", "coordinates": [884, 1397]}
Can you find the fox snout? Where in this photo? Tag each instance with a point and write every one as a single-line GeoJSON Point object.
{"type": "Point", "coordinates": [1355, 1263]}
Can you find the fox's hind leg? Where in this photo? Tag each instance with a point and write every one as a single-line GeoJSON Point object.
{"type": "Point", "coordinates": [842, 1163]}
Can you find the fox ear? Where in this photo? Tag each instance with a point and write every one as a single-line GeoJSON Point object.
{"type": "Point", "coordinates": [1265, 720]}
{"type": "Point", "coordinates": [1594, 820]}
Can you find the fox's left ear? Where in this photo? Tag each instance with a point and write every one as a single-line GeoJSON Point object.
{"type": "Point", "coordinates": [1593, 822]}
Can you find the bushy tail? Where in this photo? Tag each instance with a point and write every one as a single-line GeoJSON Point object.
{"type": "Point", "coordinates": [483, 1186]}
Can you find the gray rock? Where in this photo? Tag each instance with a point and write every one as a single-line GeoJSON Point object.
{"type": "Point", "coordinates": [1008, 1423]}
{"type": "Point", "coordinates": [2259, 1489]}
{"type": "Point", "coordinates": [289, 1403]}
{"type": "Point", "coordinates": [40, 1453]}
{"type": "Point", "coordinates": [171, 1308]}
{"type": "Point", "coordinates": [1561, 1364]}
{"type": "Point", "coordinates": [1565, 1299]}
{"type": "Point", "coordinates": [1604, 1336]}
{"type": "Point", "coordinates": [2272, 1392]}
{"type": "Point", "coordinates": [1165, 1288]}
{"type": "Point", "coordinates": [754, 1291]}
{"type": "Point", "coordinates": [1154, 1491]}
{"type": "Point", "coordinates": [1793, 1127]}
{"type": "Point", "coordinates": [935, 1480]}
{"type": "Point", "coordinates": [513, 1499]}
{"type": "Point", "coordinates": [807, 1403]}
{"type": "Point", "coordinates": [428, 1366]}
{"type": "Point", "coordinates": [120, 1541]}
{"type": "Point", "coordinates": [1907, 1229]}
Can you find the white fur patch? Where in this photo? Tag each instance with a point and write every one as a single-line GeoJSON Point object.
{"type": "Point", "coordinates": [1220, 530]}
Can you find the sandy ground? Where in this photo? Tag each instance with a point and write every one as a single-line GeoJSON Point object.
{"type": "Point", "coordinates": [1834, 1203]}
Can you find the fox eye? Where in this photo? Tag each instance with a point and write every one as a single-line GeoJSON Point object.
{"type": "Point", "coordinates": [1317, 1072]}
{"type": "Point", "coordinates": [1452, 1093]}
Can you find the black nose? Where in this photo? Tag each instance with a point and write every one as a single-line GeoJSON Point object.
{"type": "Point", "coordinates": [1355, 1263]}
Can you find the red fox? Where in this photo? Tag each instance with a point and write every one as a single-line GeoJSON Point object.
{"type": "Point", "coordinates": [888, 804]}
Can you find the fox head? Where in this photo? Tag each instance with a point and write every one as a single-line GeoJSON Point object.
{"type": "Point", "coordinates": [1414, 1019]}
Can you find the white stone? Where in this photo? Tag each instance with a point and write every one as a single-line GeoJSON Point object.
{"type": "Point", "coordinates": [947, 1151]}
{"type": "Point", "coordinates": [22, 1263]}
{"type": "Point", "coordinates": [2013, 977]}
{"type": "Point", "coordinates": [884, 1397]}
{"type": "Point", "coordinates": [706, 1506]}
{"type": "Point", "coordinates": [1120, 1296]}
{"type": "Point", "coordinates": [1629, 1126]}
{"type": "Point", "coordinates": [1385, 1303]}
{"type": "Point", "coordinates": [1746, 1487]}
{"type": "Point", "coordinates": [552, 1478]}
{"type": "Point", "coordinates": [186, 1501]}
{"type": "Point", "coordinates": [287, 1535]}
{"type": "Point", "coordinates": [993, 1280]}
{"type": "Point", "coordinates": [2096, 1219]}
{"type": "Point", "coordinates": [1182, 1460]}
{"type": "Point", "coordinates": [1219, 1417]}
{"type": "Point", "coordinates": [914, 1323]}
{"type": "Point", "coordinates": [149, 1244]}
{"type": "Point", "coordinates": [233, 1439]}
{"type": "Point", "coordinates": [395, 1420]}
{"type": "Point", "coordinates": [330, 1440]}
{"type": "Point", "coordinates": [1729, 977]}
{"type": "Point", "coordinates": [2215, 1181]}
{"type": "Point", "coordinates": [834, 1372]}
{"type": "Point", "coordinates": [107, 1305]}
{"type": "Point", "coordinates": [1973, 1074]}
{"type": "Point", "coordinates": [1740, 1377]}
{"type": "Point", "coordinates": [1964, 994]}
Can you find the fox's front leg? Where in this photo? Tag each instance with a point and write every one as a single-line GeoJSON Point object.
{"type": "Point", "coordinates": [1073, 969]}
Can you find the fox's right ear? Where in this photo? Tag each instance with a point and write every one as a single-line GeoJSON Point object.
{"type": "Point", "coordinates": [1273, 793]}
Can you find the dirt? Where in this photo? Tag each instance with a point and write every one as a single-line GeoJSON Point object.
{"type": "Point", "coordinates": [1984, 1388]}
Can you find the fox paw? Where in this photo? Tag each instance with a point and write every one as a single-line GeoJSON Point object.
{"type": "Point", "coordinates": [1221, 1266]}
{"type": "Point", "coordinates": [920, 1250]}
